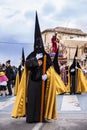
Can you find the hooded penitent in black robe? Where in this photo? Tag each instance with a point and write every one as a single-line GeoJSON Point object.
{"type": "Point", "coordinates": [34, 86]}
{"type": "Point", "coordinates": [19, 73]}
{"type": "Point", "coordinates": [77, 82]}
{"type": "Point", "coordinates": [30, 97]}
{"type": "Point", "coordinates": [74, 73]}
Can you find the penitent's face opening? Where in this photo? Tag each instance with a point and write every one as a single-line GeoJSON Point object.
{"type": "Point", "coordinates": [38, 45]}
{"type": "Point", "coordinates": [39, 49]}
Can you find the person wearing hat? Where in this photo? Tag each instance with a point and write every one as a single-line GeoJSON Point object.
{"type": "Point", "coordinates": [36, 98]}
{"type": "Point", "coordinates": [34, 62]}
{"type": "Point", "coordinates": [77, 81]}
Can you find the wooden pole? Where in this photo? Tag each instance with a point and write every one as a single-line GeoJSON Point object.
{"type": "Point", "coordinates": [76, 75]}
{"type": "Point", "coordinates": [43, 87]}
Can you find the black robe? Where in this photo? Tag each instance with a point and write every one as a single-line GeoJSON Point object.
{"type": "Point", "coordinates": [33, 104]}
{"type": "Point", "coordinates": [73, 77]}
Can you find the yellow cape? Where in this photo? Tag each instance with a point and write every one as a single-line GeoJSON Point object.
{"type": "Point", "coordinates": [19, 108]}
{"type": "Point", "coordinates": [50, 101]}
{"type": "Point", "coordinates": [81, 82]}
{"type": "Point", "coordinates": [60, 86]}
{"type": "Point", "coordinates": [16, 84]}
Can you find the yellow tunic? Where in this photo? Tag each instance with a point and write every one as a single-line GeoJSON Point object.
{"type": "Point", "coordinates": [81, 82]}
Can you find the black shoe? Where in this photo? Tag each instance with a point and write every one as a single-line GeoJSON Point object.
{"type": "Point", "coordinates": [46, 121]}
{"type": "Point", "coordinates": [70, 93]}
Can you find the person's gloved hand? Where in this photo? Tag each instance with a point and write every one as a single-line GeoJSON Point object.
{"type": "Point", "coordinates": [72, 70]}
{"type": "Point", "coordinates": [22, 68]}
{"type": "Point", "coordinates": [39, 55]}
{"type": "Point", "coordinates": [44, 77]}
{"type": "Point", "coordinates": [76, 67]}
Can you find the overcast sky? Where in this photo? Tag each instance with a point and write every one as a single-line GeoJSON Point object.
{"type": "Point", "coordinates": [17, 20]}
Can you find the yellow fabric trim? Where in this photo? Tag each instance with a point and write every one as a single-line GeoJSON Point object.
{"type": "Point", "coordinates": [82, 82]}
{"type": "Point", "coordinates": [50, 99]}
{"type": "Point", "coordinates": [16, 84]}
{"type": "Point", "coordinates": [19, 108]}
{"type": "Point", "coordinates": [59, 84]}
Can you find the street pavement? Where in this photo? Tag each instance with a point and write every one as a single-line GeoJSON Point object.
{"type": "Point", "coordinates": [71, 109]}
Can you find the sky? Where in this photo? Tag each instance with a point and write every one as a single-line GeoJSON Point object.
{"type": "Point", "coordinates": [17, 23]}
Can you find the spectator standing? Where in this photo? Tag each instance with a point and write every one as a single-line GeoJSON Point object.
{"type": "Point", "coordinates": [10, 75]}
{"type": "Point", "coordinates": [3, 83]}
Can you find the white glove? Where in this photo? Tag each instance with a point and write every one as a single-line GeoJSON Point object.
{"type": "Point", "coordinates": [76, 67]}
{"type": "Point", "coordinates": [22, 68]}
{"type": "Point", "coordinates": [44, 77]}
{"type": "Point", "coordinates": [72, 70]}
{"type": "Point", "coordinates": [39, 55]}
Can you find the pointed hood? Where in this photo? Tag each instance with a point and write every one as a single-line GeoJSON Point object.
{"type": "Point", "coordinates": [38, 42]}
{"type": "Point", "coordinates": [76, 54]}
{"type": "Point", "coordinates": [55, 63]}
{"type": "Point", "coordinates": [23, 57]}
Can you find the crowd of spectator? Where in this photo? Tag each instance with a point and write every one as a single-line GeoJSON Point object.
{"type": "Point", "coordinates": [7, 78]}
